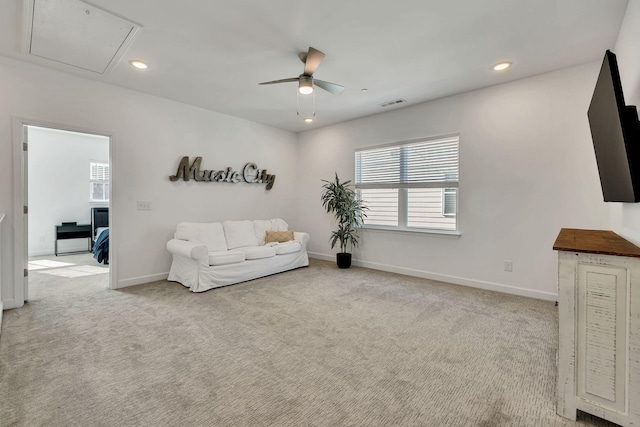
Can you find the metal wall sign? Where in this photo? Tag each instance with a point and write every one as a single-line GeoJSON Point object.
{"type": "Point", "coordinates": [250, 174]}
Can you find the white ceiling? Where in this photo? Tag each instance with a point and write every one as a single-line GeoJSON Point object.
{"type": "Point", "coordinates": [213, 53]}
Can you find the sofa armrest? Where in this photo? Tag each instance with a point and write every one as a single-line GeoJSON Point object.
{"type": "Point", "coordinates": [302, 237]}
{"type": "Point", "coordinates": [194, 250]}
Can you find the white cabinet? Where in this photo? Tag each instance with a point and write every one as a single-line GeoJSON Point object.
{"type": "Point", "coordinates": [599, 326]}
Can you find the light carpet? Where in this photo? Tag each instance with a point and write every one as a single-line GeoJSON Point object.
{"type": "Point", "coordinates": [316, 346]}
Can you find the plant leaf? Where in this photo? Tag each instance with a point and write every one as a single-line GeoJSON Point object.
{"type": "Point", "coordinates": [340, 199]}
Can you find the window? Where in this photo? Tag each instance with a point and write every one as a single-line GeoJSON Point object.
{"type": "Point", "coordinates": [99, 182]}
{"type": "Point", "coordinates": [410, 185]}
{"type": "Point", "coordinates": [449, 201]}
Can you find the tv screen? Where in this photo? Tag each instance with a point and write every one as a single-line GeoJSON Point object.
{"type": "Point", "coordinates": [615, 134]}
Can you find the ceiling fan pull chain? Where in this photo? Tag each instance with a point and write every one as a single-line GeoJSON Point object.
{"type": "Point", "coordinates": [313, 95]}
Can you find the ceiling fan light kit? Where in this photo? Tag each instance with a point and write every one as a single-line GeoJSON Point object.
{"type": "Point", "coordinates": [305, 85]}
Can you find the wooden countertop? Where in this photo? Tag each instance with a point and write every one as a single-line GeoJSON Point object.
{"type": "Point", "coordinates": [602, 242]}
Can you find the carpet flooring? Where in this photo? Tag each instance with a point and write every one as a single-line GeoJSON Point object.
{"type": "Point", "coordinates": [316, 346]}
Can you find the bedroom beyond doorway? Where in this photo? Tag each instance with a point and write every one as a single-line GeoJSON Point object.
{"type": "Point", "coordinates": [68, 182]}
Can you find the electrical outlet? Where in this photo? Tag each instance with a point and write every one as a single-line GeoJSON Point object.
{"type": "Point", "coordinates": [144, 206]}
{"type": "Point", "coordinates": [508, 266]}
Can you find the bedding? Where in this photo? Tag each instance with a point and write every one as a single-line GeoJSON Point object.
{"type": "Point", "coordinates": [100, 234]}
{"type": "Point", "coordinates": [101, 246]}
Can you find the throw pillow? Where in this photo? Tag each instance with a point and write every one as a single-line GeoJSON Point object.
{"type": "Point", "coordinates": [278, 236]}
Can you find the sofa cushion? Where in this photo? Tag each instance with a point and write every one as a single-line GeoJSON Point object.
{"type": "Point", "coordinates": [257, 252]}
{"type": "Point", "coordinates": [261, 226]}
{"type": "Point", "coordinates": [210, 234]}
{"type": "Point", "coordinates": [278, 236]}
{"type": "Point", "coordinates": [278, 224]}
{"type": "Point", "coordinates": [239, 234]}
{"type": "Point", "coordinates": [225, 257]}
{"type": "Point", "coordinates": [287, 248]}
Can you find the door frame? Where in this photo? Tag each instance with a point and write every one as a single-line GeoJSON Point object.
{"type": "Point", "coordinates": [20, 229]}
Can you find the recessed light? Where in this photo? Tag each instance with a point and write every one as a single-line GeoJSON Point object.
{"type": "Point", "coordinates": [308, 119]}
{"type": "Point", "coordinates": [141, 65]}
{"type": "Point", "coordinates": [501, 66]}
{"type": "Point", "coordinates": [364, 89]}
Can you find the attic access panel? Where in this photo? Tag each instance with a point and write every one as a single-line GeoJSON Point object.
{"type": "Point", "coordinates": [78, 34]}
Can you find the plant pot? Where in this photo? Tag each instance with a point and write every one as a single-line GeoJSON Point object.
{"type": "Point", "coordinates": [343, 259]}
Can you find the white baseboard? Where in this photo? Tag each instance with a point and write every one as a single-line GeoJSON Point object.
{"type": "Point", "coordinates": [41, 253]}
{"type": "Point", "coordinates": [141, 280]}
{"type": "Point", "coordinates": [61, 251]}
{"type": "Point", "coordinates": [480, 284]}
{"type": "Point", "coordinates": [324, 257]}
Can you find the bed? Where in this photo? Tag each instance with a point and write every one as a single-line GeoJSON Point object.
{"type": "Point", "coordinates": [100, 234]}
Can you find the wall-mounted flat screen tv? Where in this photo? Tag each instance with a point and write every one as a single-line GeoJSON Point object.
{"type": "Point", "coordinates": [615, 131]}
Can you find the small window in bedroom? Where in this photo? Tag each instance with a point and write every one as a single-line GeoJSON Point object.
{"type": "Point", "coordinates": [99, 182]}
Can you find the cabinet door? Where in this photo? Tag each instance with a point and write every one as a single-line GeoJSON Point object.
{"type": "Point", "coordinates": [601, 341]}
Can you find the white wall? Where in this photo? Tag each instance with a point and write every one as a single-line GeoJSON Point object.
{"type": "Point", "coordinates": [527, 169]}
{"type": "Point", "coordinates": [625, 217]}
{"type": "Point", "coordinates": [150, 135]}
{"type": "Point", "coordinates": [59, 185]}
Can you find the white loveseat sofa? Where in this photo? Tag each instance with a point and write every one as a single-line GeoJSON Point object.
{"type": "Point", "coordinates": [210, 255]}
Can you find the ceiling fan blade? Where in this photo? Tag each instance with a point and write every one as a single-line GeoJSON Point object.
{"type": "Point", "coordinates": [314, 57]}
{"type": "Point", "coordinates": [292, 79]}
{"type": "Point", "coordinates": [329, 87]}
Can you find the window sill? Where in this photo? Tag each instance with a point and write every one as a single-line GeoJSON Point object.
{"type": "Point", "coordinates": [430, 232]}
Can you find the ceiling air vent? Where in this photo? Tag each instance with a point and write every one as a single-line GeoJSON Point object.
{"type": "Point", "coordinates": [394, 102]}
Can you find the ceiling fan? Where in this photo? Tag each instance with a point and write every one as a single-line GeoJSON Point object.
{"type": "Point", "coordinates": [311, 60]}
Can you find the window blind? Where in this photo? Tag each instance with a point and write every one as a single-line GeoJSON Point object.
{"type": "Point", "coordinates": [98, 181]}
{"type": "Point", "coordinates": [404, 166]}
{"type": "Point", "coordinates": [99, 172]}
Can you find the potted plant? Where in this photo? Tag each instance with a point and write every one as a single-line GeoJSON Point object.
{"type": "Point", "coordinates": [340, 199]}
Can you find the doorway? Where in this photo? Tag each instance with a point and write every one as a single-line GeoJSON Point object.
{"type": "Point", "coordinates": [66, 193]}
